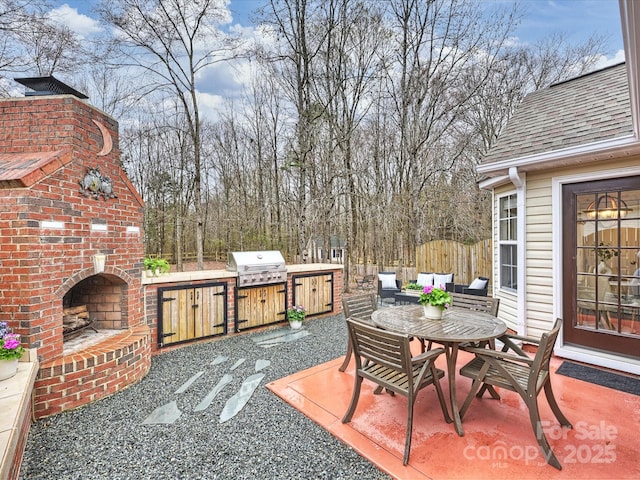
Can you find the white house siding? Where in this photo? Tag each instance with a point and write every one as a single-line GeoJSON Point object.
{"type": "Point", "coordinates": [539, 268]}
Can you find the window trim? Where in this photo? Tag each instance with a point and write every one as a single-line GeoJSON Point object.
{"type": "Point", "coordinates": [510, 242]}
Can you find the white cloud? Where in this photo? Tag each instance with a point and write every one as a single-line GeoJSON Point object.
{"type": "Point", "coordinates": [210, 105]}
{"type": "Point", "coordinates": [604, 61]}
{"type": "Point", "coordinates": [81, 24]}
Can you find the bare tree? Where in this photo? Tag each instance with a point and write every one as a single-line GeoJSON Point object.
{"type": "Point", "coordinates": [49, 48]}
{"type": "Point", "coordinates": [173, 41]}
{"type": "Point", "coordinates": [296, 50]}
{"type": "Point", "coordinates": [553, 58]}
{"type": "Point", "coordinates": [30, 42]}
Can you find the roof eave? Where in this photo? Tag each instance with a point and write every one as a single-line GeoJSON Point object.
{"type": "Point", "coordinates": [593, 152]}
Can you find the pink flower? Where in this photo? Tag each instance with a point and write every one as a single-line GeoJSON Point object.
{"type": "Point", "coordinates": [11, 341]}
{"type": "Point", "coordinates": [428, 289]}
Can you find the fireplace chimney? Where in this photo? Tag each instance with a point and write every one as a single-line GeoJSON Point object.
{"type": "Point", "coordinates": [48, 86]}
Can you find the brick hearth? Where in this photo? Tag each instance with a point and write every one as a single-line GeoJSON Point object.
{"type": "Point", "coordinates": [81, 377]}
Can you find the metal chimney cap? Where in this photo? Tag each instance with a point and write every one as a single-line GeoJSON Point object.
{"type": "Point", "coordinates": [48, 86]}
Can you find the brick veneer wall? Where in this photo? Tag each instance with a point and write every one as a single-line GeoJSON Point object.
{"type": "Point", "coordinates": [49, 232]}
{"type": "Point", "coordinates": [76, 379]}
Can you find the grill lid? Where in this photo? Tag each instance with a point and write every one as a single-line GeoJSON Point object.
{"type": "Point", "coordinates": [263, 260]}
{"type": "Point", "coordinates": [258, 268]}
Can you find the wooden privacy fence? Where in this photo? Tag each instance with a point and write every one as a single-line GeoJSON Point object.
{"type": "Point", "coordinates": [466, 261]}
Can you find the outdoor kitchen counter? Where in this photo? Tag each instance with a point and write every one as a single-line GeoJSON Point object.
{"type": "Point", "coordinates": [313, 267]}
{"type": "Point", "coordinates": [197, 275]}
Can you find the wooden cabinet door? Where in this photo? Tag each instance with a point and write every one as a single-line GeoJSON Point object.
{"type": "Point", "coordinates": [314, 292]}
{"type": "Point", "coordinates": [189, 313]}
{"type": "Point", "coordinates": [262, 305]}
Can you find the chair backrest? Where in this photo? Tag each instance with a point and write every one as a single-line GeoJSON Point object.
{"type": "Point", "coordinates": [540, 366]}
{"type": "Point", "coordinates": [359, 306]}
{"type": "Point", "coordinates": [474, 302]}
{"type": "Point", "coordinates": [389, 284]}
{"type": "Point", "coordinates": [389, 349]}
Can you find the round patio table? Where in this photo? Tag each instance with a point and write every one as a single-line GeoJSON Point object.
{"type": "Point", "coordinates": [458, 326]}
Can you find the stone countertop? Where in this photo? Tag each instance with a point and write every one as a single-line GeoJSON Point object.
{"type": "Point", "coordinates": [15, 400]}
{"type": "Point", "coordinates": [173, 277]}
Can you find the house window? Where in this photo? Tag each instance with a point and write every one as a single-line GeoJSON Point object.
{"type": "Point", "coordinates": [508, 242]}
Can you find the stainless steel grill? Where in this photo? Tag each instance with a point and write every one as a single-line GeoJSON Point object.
{"type": "Point", "coordinates": [258, 268]}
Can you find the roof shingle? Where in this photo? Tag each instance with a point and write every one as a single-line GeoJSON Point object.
{"type": "Point", "coordinates": [580, 111]}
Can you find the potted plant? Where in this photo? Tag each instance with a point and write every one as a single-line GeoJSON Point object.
{"type": "Point", "coordinates": [296, 315]}
{"type": "Point", "coordinates": [434, 300]}
{"type": "Point", "coordinates": [156, 266]}
{"type": "Point", "coordinates": [10, 351]}
{"type": "Point", "coordinates": [413, 287]}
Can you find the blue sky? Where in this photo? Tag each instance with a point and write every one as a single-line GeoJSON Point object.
{"type": "Point", "coordinates": [576, 18]}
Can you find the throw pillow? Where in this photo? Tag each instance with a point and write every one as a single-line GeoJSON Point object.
{"type": "Point", "coordinates": [440, 280]}
{"type": "Point", "coordinates": [388, 281]}
{"type": "Point", "coordinates": [425, 279]}
{"type": "Point", "coordinates": [478, 284]}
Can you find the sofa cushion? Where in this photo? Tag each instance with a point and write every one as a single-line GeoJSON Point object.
{"type": "Point", "coordinates": [388, 280]}
{"type": "Point", "coordinates": [425, 279]}
{"type": "Point", "coordinates": [440, 280]}
{"type": "Point", "coordinates": [478, 284]}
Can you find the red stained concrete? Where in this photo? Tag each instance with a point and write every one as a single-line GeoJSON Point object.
{"type": "Point", "coordinates": [499, 442]}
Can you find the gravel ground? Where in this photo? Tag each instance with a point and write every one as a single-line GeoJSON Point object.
{"type": "Point", "coordinates": [268, 439]}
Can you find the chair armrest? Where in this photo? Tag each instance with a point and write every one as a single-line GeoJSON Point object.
{"type": "Point", "coordinates": [481, 292]}
{"type": "Point", "coordinates": [521, 338]}
{"type": "Point", "coordinates": [484, 352]}
{"type": "Point", "coordinates": [428, 355]}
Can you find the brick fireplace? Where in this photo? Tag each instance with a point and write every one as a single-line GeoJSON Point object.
{"type": "Point", "coordinates": [70, 235]}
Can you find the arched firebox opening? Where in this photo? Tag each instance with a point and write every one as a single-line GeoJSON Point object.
{"type": "Point", "coordinates": [93, 305]}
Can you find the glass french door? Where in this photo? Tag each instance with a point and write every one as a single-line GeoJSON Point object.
{"type": "Point", "coordinates": [601, 265]}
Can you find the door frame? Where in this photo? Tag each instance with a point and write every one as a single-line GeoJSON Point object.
{"type": "Point", "coordinates": [562, 349]}
{"type": "Point", "coordinates": [597, 338]}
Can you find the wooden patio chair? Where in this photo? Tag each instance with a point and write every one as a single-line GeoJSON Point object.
{"type": "Point", "coordinates": [358, 307]}
{"type": "Point", "coordinates": [389, 364]}
{"type": "Point", "coordinates": [474, 302]}
{"type": "Point", "coordinates": [514, 370]}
